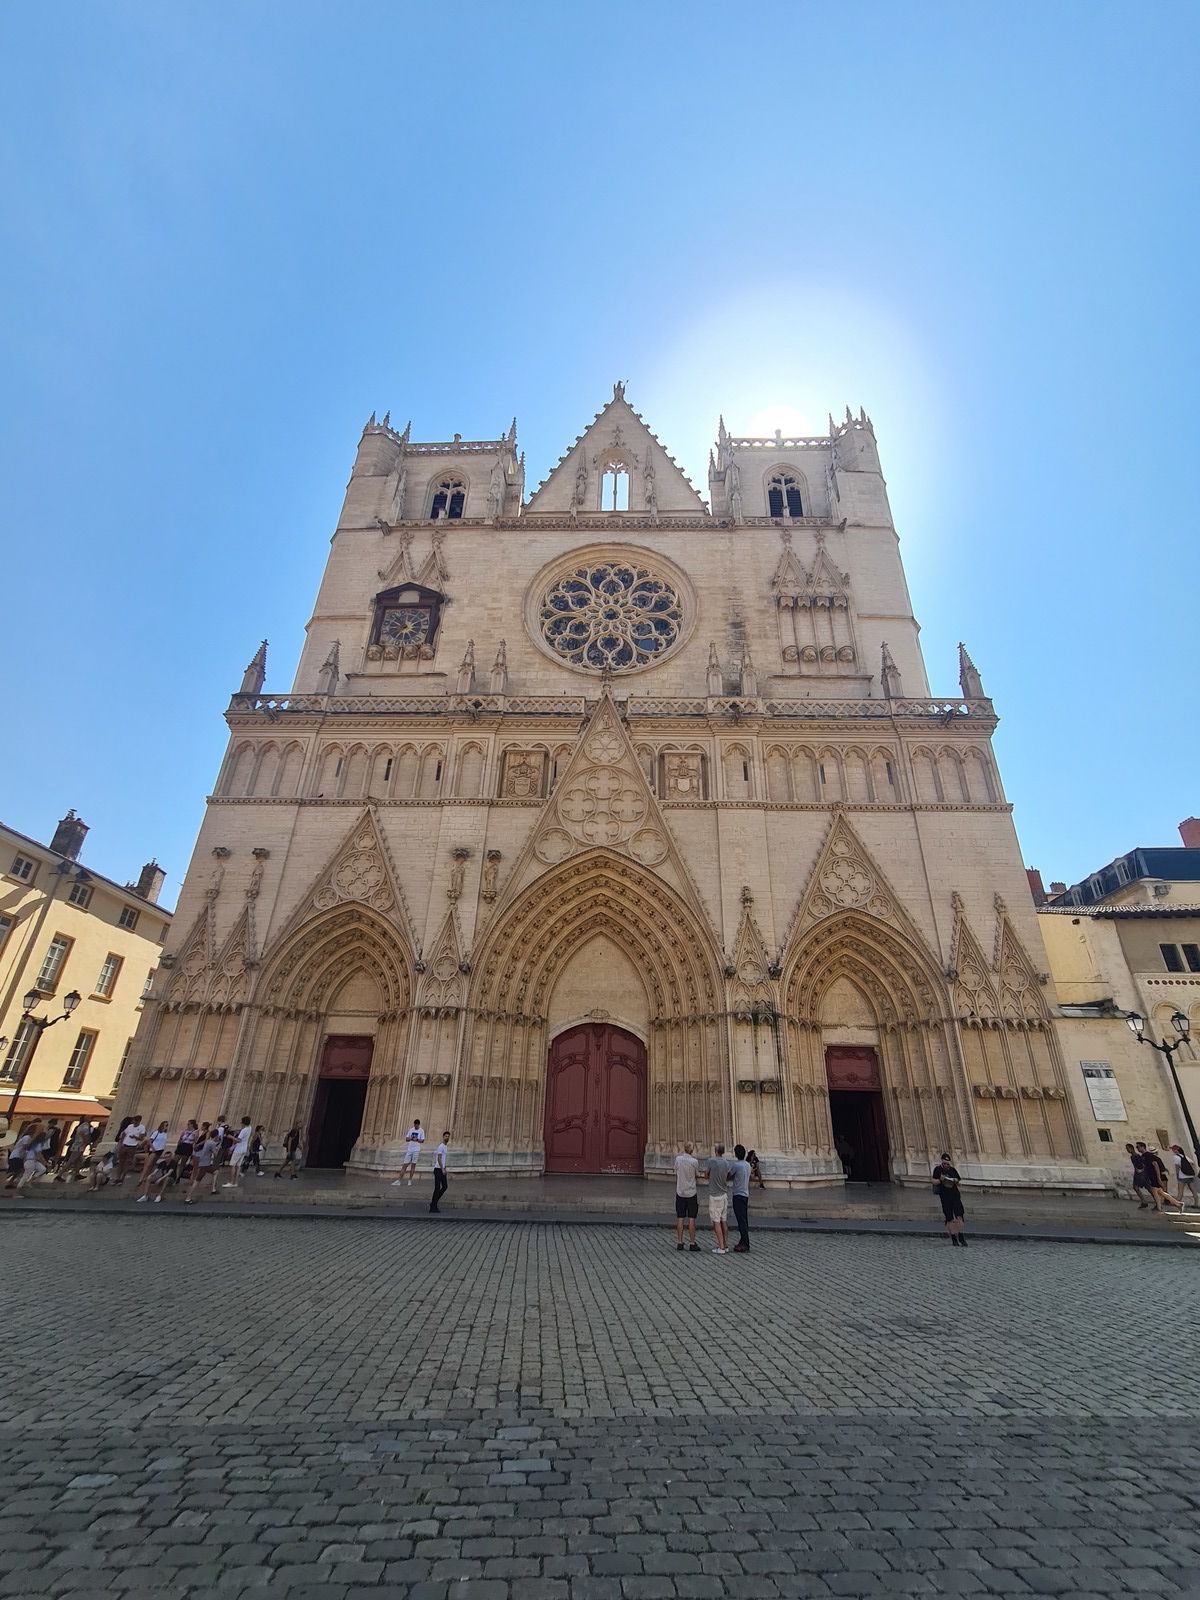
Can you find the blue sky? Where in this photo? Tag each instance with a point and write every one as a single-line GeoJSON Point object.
{"type": "Point", "coordinates": [231, 232]}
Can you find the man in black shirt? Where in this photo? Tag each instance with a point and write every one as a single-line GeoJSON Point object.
{"type": "Point", "coordinates": [945, 1183]}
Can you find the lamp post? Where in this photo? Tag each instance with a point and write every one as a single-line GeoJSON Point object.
{"type": "Point", "coordinates": [39, 1025]}
{"type": "Point", "coordinates": [1167, 1049]}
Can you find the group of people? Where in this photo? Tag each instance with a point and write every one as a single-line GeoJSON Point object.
{"type": "Point", "coordinates": [1150, 1180]}
{"type": "Point", "coordinates": [727, 1180]}
{"type": "Point", "coordinates": [413, 1140]}
{"type": "Point", "coordinates": [42, 1147]}
{"type": "Point", "coordinates": [204, 1157]}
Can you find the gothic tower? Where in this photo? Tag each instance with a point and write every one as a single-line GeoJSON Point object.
{"type": "Point", "coordinates": [605, 818]}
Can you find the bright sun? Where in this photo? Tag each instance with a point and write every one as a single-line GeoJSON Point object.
{"type": "Point", "coordinates": [787, 420]}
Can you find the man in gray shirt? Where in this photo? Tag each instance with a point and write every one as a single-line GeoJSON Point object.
{"type": "Point", "coordinates": [740, 1174]}
{"type": "Point", "coordinates": [718, 1198]}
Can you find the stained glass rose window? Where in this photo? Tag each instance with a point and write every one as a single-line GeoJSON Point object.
{"type": "Point", "coordinates": [610, 614]}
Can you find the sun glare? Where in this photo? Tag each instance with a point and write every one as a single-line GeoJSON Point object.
{"type": "Point", "coordinates": [787, 420]}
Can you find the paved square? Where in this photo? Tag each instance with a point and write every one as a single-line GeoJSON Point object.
{"type": "Point", "coordinates": [211, 1406]}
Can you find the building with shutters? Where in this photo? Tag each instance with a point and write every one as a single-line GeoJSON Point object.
{"type": "Point", "coordinates": [609, 815]}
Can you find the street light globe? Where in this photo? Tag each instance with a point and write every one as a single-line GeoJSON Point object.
{"type": "Point", "coordinates": [1182, 1025]}
{"type": "Point", "coordinates": [1136, 1022]}
{"type": "Point", "coordinates": [32, 999]}
{"type": "Point", "coordinates": [70, 1001]}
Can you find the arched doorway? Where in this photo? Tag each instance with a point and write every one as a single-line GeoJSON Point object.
{"type": "Point", "coordinates": [340, 1099]}
{"type": "Point", "coordinates": [595, 1118]}
{"type": "Point", "coordinates": [856, 1112]}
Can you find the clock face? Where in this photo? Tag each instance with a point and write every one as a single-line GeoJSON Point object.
{"type": "Point", "coordinates": [404, 625]}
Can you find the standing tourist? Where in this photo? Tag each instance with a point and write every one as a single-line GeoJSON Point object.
{"type": "Point", "coordinates": [740, 1174]}
{"type": "Point", "coordinates": [241, 1149]}
{"type": "Point", "coordinates": [1156, 1178]}
{"type": "Point", "coordinates": [205, 1155]}
{"type": "Point", "coordinates": [258, 1145]}
{"type": "Point", "coordinates": [440, 1183]}
{"type": "Point", "coordinates": [129, 1144]}
{"type": "Point", "coordinates": [718, 1197]}
{"type": "Point", "coordinates": [413, 1140]}
{"type": "Point", "coordinates": [687, 1202]}
{"type": "Point", "coordinates": [756, 1176]}
{"type": "Point", "coordinates": [291, 1153]}
{"type": "Point", "coordinates": [54, 1143]}
{"type": "Point", "coordinates": [946, 1182]}
{"type": "Point", "coordinates": [1185, 1176]}
{"type": "Point", "coordinates": [184, 1146]}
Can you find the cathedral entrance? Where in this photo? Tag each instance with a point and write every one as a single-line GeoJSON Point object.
{"type": "Point", "coordinates": [340, 1099]}
{"type": "Point", "coordinates": [857, 1114]}
{"type": "Point", "coordinates": [596, 1101]}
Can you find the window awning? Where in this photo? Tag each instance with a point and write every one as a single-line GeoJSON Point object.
{"type": "Point", "coordinates": [59, 1105]}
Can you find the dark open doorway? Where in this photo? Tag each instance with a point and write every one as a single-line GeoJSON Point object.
{"type": "Point", "coordinates": [856, 1111]}
{"type": "Point", "coordinates": [860, 1134]}
{"type": "Point", "coordinates": [341, 1096]}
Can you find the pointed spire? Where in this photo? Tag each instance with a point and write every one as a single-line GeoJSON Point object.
{"type": "Point", "coordinates": [748, 676]}
{"type": "Point", "coordinates": [466, 671]}
{"type": "Point", "coordinates": [716, 683]}
{"type": "Point", "coordinates": [499, 678]}
{"type": "Point", "coordinates": [832, 425]}
{"type": "Point", "coordinates": [387, 420]}
{"type": "Point", "coordinates": [849, 416]}
{"type": "Point", "coordinates": [370, 423]}
{"type": "Point", "coordinates": [407, 434]}
{"type": "Point", "coordinates": [889, 675]}
{"type": "Point", "coordinates": [255, 674]}
{"type": "Point", "coordinates": [619, 390]}
{"type": "Point", "coordinates": [327, 678]}
{"type": "Point", "coordinates": [512, 432]}
{"type": "Point", "coordinates": [722, 431]}
{"type": "Point", "coordinates": [968, 677]}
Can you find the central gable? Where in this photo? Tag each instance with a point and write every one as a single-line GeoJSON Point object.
{"type": "Point", "coordinates": [616, 442]}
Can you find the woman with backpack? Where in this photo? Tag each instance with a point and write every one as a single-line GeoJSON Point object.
{"type": "Point", "coordinates": [1185, 1176]}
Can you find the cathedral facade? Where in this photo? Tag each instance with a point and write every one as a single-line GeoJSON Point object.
{"type": "Point", "coordinates": [605, 817]}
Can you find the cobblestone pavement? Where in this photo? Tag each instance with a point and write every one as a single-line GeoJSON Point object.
{"type": "Point", "coordinates": [344, 1410]}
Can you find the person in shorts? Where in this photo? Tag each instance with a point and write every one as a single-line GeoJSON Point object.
{"type": "Point", "coordinates": [1141, 1184]}
{"type": "Point", "coordinates": [718, 1197]}
{"type": "Point", "coordinates": [291, 1153]}
{"type": "Point", "coordinates": [205, 1155]}
{"type": "Point", "coordinates": [687, 1202]}
{"type": "Point", "coordinates": [945, 1185]}
{"type": "Point", "coordinates": [1185, 1175]}
{"type": "Point", "coordinates": [413, 1140]}
{"type": "Point", "coordinates": [155, 1163]}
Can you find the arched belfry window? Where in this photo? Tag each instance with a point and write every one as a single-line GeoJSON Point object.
{"type": "Point", "coordinates": [614, 485]}
{"type": "Point", "coordinates": [783, 496]}
{"type": "Point", "coordinates": [405, 622]}
{"type": "Point", "coordinates": [449, 498]}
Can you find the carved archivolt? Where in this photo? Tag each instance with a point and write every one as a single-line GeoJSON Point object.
{"type": "Point", "coordinates": [309, 966]}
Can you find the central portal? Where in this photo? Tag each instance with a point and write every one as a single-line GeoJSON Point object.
{"type": "Point", "coordinates": [596, 1101]}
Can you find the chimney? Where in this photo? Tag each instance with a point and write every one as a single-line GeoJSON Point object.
{"type": "Point", "coordinates": [150, 882]}
{"type": "Point", "coordinates": [1036, 887]}
{"type": "Point", "coordinates": [1057, 888]}
{"type": "Point", "coordinates": [69, 836]}
{"type": "Point", "coordinates": [1189, 832]}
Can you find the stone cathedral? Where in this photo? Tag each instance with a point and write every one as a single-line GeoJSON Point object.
{"type": "Point", "coordinates": [604, 817]}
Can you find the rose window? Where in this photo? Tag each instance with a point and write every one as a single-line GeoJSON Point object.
{"type": "Point", "coordinates": [612, 616]}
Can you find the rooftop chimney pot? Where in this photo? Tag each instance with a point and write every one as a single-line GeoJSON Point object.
{"type": "Point", "coordinates": [69, 836]}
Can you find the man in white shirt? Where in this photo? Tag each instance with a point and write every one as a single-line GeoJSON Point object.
{"type": "Point", "coordinates": [238, 1154]}
{"type": "Point", "coordinates": [131, 1142]}
{"type": "Point", "coordinates": [687, 1202]}
{"type": "Point", "coordinates": [440, 1184]}
{"type": "Point", "coordinates": [413, 1140]}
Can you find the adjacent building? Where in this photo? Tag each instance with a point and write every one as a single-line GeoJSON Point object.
{"type": "Point", "coordinates": [609, 815]}
{"type": "Point", "coordinates": [1127, 939]}
{"type": "Point", "coordinates": [65, 928]}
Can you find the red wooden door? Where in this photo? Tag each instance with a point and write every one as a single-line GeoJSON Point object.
{"type": "Point", "coordinates": [596, 1101]}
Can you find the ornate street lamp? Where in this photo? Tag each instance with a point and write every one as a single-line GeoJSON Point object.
{"type": "Point", "coordinates": [1167, 1049]}
{"type": "Point", "coordinates": [39, 1025]}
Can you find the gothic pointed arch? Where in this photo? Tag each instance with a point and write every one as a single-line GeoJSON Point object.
{"type": "Point", "coordinates": [975, 995]}
{"type": "Point", "coordinates": [309, 964]}
{"type": "Point", "coordinates": [362, 870]}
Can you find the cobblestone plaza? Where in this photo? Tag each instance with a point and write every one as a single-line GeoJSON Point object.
{"type": "Point", "coordinates": [330, 1409]}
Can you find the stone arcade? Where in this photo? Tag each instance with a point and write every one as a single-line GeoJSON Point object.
{"type": "Point", "coordinates": [603, 818]}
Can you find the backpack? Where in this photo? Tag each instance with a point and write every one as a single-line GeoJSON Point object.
{"type": "Point", "coordinates": [1186, 1169]}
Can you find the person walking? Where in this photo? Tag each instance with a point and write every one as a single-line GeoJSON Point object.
{"type": "Point", "coordinates": [82, 1137]}
{"type": "Point", "coordinates": [205, 1155]}
{"type": "Point", "coordinates": [740, 1184]}
{"type": "Point", "coordinates": [291, 1153]}
{"type": "Point", "coordinates": [237, 1156]}
{"type": "Point", "coordinates": [1156, 1178]}
{"type": "Point", "coordinates": [718, 1197]}
{"type": "Point", "coordinates": [1141, 1186]}
{"type": "Point", "coordinates": [440, 1181]}
{"type": "Point", "coordinates": [1185, 1175]}
{"type": "Point", "coordinates": [687, 1202]}
{"type": "Point", "coordinates": [156, 1151]}
{"type": "Point", "coordinates": [946, 1182]}
{"type": "Point", "coordinates": [129, 1145]}
{"type": "Point", "coordinates": [413, 1140]}
{"type": "Point", "coordinates": [55, 1133]}
{"type": "Point", "coordinates": [258, 1145]}
{"type": "Point", "coordinates": [24, 1159]}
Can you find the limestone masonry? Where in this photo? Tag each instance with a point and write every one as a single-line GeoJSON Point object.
{"type": "Point", "coordinates": [603, 817]}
